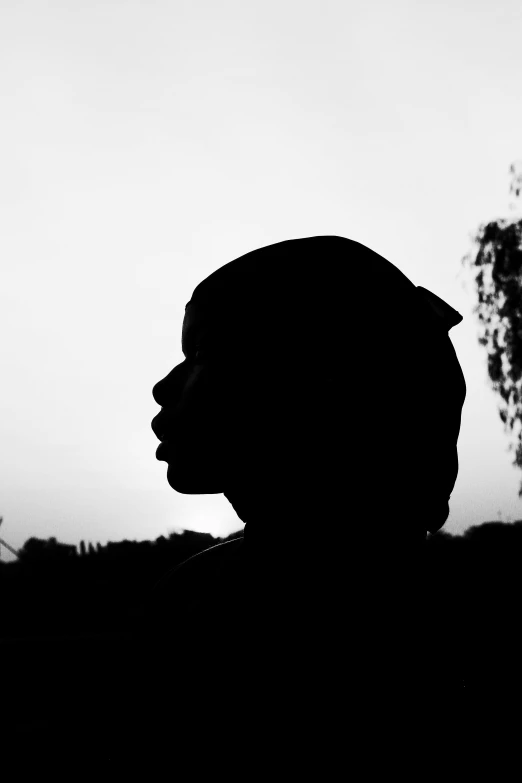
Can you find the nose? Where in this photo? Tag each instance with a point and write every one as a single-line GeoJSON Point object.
{"type": "Point", "coordinates": [166, 391]}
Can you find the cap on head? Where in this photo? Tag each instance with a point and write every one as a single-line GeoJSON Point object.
{"type": "Point", "coordinates": [323, 293]}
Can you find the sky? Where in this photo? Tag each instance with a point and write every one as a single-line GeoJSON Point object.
{"type": "Point", "coordinates": [144, 145]}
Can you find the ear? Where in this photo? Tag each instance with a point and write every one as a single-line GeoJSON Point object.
{"type": "Point", "coordinates": [447, 316]}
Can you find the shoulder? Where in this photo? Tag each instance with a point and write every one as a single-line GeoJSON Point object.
{"type": "Point", "coordinates": [207, 577]}
{"type": "Point", "coordinates": [203, 569]}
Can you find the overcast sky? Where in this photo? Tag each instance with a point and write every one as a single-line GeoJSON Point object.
{"type": "Point", "coordinates": [144, 145]}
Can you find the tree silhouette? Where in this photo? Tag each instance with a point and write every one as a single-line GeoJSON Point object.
{"type": "Point", "coordinates": [496, 262]}
{"type": "Point", "coordinates": [38, 549]}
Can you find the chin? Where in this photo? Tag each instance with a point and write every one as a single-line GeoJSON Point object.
{"type": "Point", "coordinates": [436, 517]}
{"type": "Point", "coordinates": [187, 484]}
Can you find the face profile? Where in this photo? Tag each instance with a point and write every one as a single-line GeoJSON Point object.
{"type": "Point", "coordinates": [189, 423]}
{"type": "Point", "coordinates": [292, 397]}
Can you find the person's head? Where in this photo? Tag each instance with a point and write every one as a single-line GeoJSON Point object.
{"type": "Point", "coordinates": [317, 376]}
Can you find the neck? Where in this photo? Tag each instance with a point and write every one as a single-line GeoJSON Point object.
{"type": "Point", "coordinates": [325, 524]}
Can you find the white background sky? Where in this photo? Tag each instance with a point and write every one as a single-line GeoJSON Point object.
{"type": "Point", "coordinates": [145, 144]}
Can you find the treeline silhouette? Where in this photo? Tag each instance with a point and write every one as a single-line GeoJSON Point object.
{"type": "Point", "coordinates": [59, 589]}
{"type": "Point", "coordinates": [475, 601]}
{"type": "Point", "coordinates": [68, 616]}
{"type": "Point", "coordinates": [71, 622]}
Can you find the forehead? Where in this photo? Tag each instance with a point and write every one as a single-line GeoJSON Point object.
{"type": "Point", "coordinates": [216, 330]}
{"type": "Point", "coordinates": [193, 326]}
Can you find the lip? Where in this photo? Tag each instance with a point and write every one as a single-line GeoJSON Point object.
{"type": "Point", "coordinates": [163, 450]}
{"type": "Point", "coordinates": [162, 425]}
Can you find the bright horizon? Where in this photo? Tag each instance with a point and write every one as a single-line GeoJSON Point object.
{"type": "Point", "coordinates": [144, 146]}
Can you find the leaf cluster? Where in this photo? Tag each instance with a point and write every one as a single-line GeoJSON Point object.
{"type": "Point", "coordinates": [496, 263]}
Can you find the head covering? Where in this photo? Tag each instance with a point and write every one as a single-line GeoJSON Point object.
{"type": "Point", "coordinates": [322, 292]}
{"type": "Point", "coordinates": [445, 315]}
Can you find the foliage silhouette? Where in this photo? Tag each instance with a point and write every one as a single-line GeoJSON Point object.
{"type": "Point", "coordinates": [496, 260]}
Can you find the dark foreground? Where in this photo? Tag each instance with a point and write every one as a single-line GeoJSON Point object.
{"type": "Point", "coordinates": [306, 695]}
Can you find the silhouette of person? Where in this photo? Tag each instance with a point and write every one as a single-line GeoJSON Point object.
{"type": "Point", "coordinates": [321, 393]}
